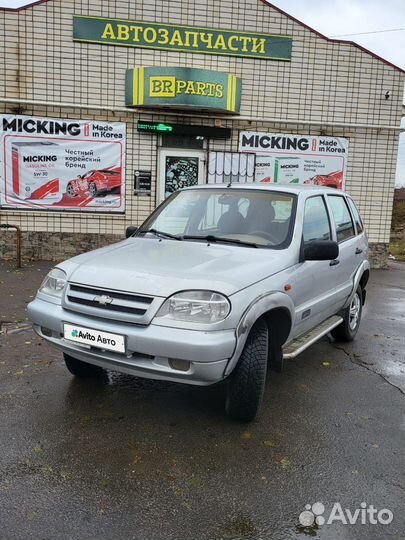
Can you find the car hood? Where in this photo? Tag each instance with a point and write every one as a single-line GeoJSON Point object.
{"type": "Point", "coordinates": [161, 267]}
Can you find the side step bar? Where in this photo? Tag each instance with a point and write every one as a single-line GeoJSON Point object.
{"type": "Point", "coordinates": [298, 345]}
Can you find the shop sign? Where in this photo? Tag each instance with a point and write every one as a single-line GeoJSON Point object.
{"type": "Point", "coordinates": [297, 159]}
{"type": "Point", "coordinates": [143, 182]}
{"type": "Point", "coordinates": [182, 88]}
{"type": "Point", "coordinates": [54, 164]}
{"type": "Point", "coordinates": [181, 38]}
{"type": "Point", "coordinates": [190, 130]}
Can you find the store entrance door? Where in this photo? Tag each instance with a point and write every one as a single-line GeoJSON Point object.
{"type": "Point", "coordinates": [179, 169]}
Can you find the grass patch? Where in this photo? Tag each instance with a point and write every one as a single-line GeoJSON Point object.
{"type": "Point", "coordinates": [397, 249]}
{"type": "Point", "coordinates": [398, 215]}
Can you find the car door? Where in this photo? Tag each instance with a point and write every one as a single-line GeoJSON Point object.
{"type": "Point", "coordinates": [347, 261]}
{"type": "Point", "coordinates": [315, 280]}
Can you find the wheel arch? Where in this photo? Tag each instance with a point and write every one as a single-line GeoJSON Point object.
{"type": "Point", "coordinates": [364, 278]}
{"type": "Point", "coordinates": [360, 278]}
{"type": "Point", "coordinates": [279, 321]}
{"type": "Point", "coordinates": [276, 308]}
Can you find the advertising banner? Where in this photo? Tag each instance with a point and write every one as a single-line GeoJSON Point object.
{"type": "Point", "coordinates": [55, 164]}
{"type": "Point", "coordinates": [152, 35]}
{"type": "Point", "coordinates": [297, 159]}
{"type": "Point", "coordinates": [182, 88]}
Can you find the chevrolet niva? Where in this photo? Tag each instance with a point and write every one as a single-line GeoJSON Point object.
{"type": "Point", "coordinates": [220, 283]}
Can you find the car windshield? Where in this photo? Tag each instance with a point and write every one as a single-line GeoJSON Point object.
{"type": "Point", "coordinates": [243, 216]}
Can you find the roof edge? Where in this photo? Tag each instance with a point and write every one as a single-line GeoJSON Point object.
{"type": "Point", "coordinates": [30, 5]}
{"type": "Point", "coordinates": [332, 40]}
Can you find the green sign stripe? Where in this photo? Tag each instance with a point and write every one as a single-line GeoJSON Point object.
{"type": "Point", "coordinates": [181, 38]}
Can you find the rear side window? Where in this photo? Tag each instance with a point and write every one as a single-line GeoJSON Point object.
{"type": "Point", "coordinates": [316, 220]}
{"type": "Point", "coordinates": [356, 215]}
{"type": "Point", "coordinates": [342, 217]}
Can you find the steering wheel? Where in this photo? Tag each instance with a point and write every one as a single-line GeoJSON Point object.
{"type": "Point", "coordinates": [267, 235]}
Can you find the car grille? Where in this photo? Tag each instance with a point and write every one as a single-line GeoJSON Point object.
{"type": "Point", "coordinates": [109, 304]}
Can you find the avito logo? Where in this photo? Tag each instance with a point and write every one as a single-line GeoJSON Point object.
{"type": "Point", "coordinates": [83, 335]}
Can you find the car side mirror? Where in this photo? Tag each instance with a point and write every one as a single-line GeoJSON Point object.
{"type": "Point", "coordinates": [321, 250]}
{"type": "Point", "coordinates": [130, 231]}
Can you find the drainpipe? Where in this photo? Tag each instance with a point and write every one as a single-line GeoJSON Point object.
{"type": "Point", "coordinates": [18, 240]}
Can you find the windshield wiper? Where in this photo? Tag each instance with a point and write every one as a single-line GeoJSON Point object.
{"type": "Point", "coordinates": [212, 238]}
{"type": "Point", "coordinates": [161, 234]}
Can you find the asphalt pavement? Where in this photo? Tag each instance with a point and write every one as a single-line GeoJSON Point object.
{"type": "Point", "coordinates": [126, 458]}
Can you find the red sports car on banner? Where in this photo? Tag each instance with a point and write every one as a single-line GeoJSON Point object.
{"type": "Point", "coordinates": [333, 179]}
{"type": "Point", "coordinates": [95, 183]}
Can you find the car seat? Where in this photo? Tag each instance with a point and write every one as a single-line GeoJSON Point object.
{"type": "Point", "coordinates": [232, 220]}
{"type": "Point", "coordinates": [260, 216]}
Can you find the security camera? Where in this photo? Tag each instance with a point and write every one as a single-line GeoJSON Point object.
{"type": "Point", "coordinates": [387, 94]}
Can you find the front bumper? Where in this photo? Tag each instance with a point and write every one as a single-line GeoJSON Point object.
{"type": "Point", "coordinates": [149, 348]}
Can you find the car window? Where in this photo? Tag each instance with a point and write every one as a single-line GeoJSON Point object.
{"type": "Point", "coordinates": [316, 220]}
{"type": "Point", "coordinates": [342, 217]}
{"type": "Point", "coordinates": [262, 217]}
{"type": "Point", "coordinates": [357, 218]}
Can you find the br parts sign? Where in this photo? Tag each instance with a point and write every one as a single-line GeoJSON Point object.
{"type": "Point", "coordinates": [53, 164]}
{"type": "Point", "coordinates": [183, 88]}
{"type": "Point", "coordinates": [297, 159]}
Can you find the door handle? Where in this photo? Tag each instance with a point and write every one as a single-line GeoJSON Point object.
{"type": "Point", "coordinates": [358, 251]}
{"type": "Point", "coordinates": [334, 262]}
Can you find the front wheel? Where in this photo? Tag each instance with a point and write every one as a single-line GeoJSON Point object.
{"type": "Point", "coordinates": [70, 190]}
{"type": "Point", "coordinates": [347, 330]}
{"type": "Point", "coordinates": [81, 369]}
{"type": "Point", "coordinates": [246, 385]}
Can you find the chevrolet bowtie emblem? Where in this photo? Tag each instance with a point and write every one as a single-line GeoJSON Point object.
{"type": "Point", "coordinates": [103, 300]}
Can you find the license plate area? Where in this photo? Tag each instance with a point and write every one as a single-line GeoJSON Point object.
{"type": "Point", "coordinates": [94, 338]}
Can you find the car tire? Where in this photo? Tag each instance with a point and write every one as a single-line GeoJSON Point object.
{"type": "Point", "coordinates": [347, 330]}
{"type": "Point", "coordinates": [246, 384]}
{"type": "Point", "coordinates": [92, 189]}
{"type": "Point", "coordinates": [81, 369]}
{"type": "Point", "coordinates": [70, 191]}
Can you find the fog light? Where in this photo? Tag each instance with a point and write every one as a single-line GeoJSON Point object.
{"type": "Point", "coordinates": [46, 331]}
{"type": "Point", "coordinates": [180, 365]}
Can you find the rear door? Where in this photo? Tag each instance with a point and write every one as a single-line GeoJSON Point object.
{"type": "Point", "coordinates": [315, 280]}
{"type": "Point", "coordinates": [347, 261]}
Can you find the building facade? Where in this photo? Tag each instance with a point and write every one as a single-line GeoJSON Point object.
{"type": "Point", "coordinates": [180, 93]}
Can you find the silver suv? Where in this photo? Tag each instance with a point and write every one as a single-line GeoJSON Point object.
{"type": "Point", "coordinates": [219, 283]}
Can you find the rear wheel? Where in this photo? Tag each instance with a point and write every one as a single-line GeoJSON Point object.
{"type": "Point", "coordinates": [92, 189]}
{"type": "Point", "coordinates": [246, 384]}
{"type": "Point", "coordinates": [81, 369]}
{"type": "Point", "coordinates": [351, 319]}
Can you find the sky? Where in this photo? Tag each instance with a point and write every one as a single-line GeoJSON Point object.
{"type": "Point", "coordinates": [340, 17]}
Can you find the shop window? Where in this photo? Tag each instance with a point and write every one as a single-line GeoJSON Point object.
{"type": "Point", "coordinates": [230, 167]}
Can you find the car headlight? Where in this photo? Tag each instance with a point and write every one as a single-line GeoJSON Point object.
{"type": "Point", "coordinates": [54, 283]}
{"type": "Point", "coordinates": [196, 306]}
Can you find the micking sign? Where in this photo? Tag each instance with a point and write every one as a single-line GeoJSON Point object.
{"type": "Point", "coordinates": [182, 88]}
{"type": "Point", "coordinates": [181, 38]}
